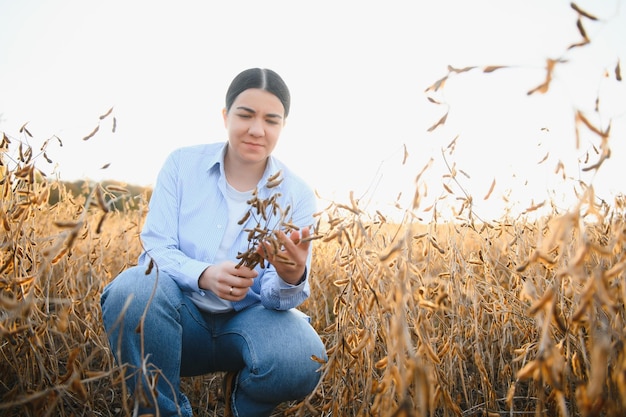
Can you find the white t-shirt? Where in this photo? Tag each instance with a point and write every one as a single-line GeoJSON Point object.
{"type": "Point", "coordinates": [237, 206]}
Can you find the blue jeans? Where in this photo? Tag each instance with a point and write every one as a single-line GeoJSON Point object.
{"type": "Point", "coordinates": [270, 350]}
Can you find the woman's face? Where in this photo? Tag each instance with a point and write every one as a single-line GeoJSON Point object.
{"type": "Point", "coordinates": [254, 123]}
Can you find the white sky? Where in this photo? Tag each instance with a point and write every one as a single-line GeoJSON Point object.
{"type": "Point", "coordinates": [357, 70]}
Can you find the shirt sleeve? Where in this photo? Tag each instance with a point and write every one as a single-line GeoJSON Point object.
{"type": "Point", "coordinates": [160, 233]}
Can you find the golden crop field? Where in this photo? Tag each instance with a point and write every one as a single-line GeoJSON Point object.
{"type": "Point", "coordinates": [508, 318]}
{"type": "Point", "coordinates": [519, 316]}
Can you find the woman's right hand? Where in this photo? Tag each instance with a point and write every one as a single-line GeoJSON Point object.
{"type": "Point", "coordinates": [226, 281]}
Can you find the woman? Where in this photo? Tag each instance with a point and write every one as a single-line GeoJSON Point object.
{"type": "Point", "coordinates": [203, 308]}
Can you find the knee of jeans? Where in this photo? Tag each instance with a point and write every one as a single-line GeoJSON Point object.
{"type": "Point", "coordinates": [303, 379]}
{"type": "Point", "coordinates": [298, 370]}
{"type": "Point", "coordinates": [129, 293]}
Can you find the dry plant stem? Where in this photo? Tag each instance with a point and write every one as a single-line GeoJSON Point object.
{"type": "Point", "coordinates": [269, 217]}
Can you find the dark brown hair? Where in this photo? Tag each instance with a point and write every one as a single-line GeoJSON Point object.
{"type": "Point", "coordinates": [262, 78]}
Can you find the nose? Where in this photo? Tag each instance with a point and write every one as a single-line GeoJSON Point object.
{"type": "Point", "coordinates": [256, 128]}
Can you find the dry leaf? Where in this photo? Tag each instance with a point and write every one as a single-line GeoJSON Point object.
{"type": "Point", "coordinates": [493, 68]}
{"type": "Point", "coordinates": [438, 84]}
{"type": "Point", "coordinates": [581, 29]}
{"type": "Point", "coordinates": [582, 12]}
{"type": "Point", "coordinates": [493, 185]}
{"type": "Point", "coordinates": [440, 122]}
{"type": "Point", "coordinates": [24, 130]}
{"type": "Point", "coordinates": [543, 88]}
{"type": "Point", "coordinates": [93, 132]}
{"type": "Point", "coordinates": [459, 70]}
{"type": "Point", "coordinates": [106, 114]}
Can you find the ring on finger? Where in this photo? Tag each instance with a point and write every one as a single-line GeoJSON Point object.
{"type": "Point", "coordinates": [231, 291]}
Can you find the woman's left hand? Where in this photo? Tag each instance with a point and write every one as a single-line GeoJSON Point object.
{"type": "Point", "coordinates": [290, 260]}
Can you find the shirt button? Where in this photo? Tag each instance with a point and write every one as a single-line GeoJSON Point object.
{"type": "Point", "coordinates": [219, 226]}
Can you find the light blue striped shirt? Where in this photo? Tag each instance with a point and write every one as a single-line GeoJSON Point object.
{"type": "Point", "coordinates": [188, 216]}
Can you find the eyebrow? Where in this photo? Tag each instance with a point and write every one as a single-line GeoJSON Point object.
{"type": "Point", "coordinates": [248, 109]}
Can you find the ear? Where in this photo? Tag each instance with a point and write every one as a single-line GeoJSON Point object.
{"type": "Point", "coordinates": [225, 116]}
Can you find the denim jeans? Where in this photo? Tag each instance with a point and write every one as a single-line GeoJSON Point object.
{"type": "Point", "coordinates": [270, 350]}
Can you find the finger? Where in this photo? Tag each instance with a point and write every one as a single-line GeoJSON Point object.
{"type": "Point", "coordinates": [234, 293]}
{"type": "Point", "coordinates": [288, 242]}
{"type": "Point", "coordinates": [306, 232]}
{"type": "Point", "coordinates": [282, 237]}
{"type": "Point", "coordinates": [228, 293]}
{"type": "Point", "coordinates": [242, 282]}
{"type": "Point", "coordinates": [265, 250]}
{"type": "Point", "coordinates": [244, 271]}
{"type": "Point", "coordinates": [297, 244]}
{"type": "Point", "coordinates": [295, 237]}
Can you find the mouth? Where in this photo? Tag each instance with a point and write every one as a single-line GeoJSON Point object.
{"type": "Point", "coordinates": [253, 144]}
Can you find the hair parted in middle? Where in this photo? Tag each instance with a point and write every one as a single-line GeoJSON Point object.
{"type": "Point", "coordinates": [262, 78]}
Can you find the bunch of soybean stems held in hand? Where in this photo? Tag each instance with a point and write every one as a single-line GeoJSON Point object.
{"type": "Point", "coordinates": [266, 212]}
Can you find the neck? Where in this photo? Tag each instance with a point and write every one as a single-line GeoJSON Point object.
{"type": "Point", "coordinates": [243, 176]}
